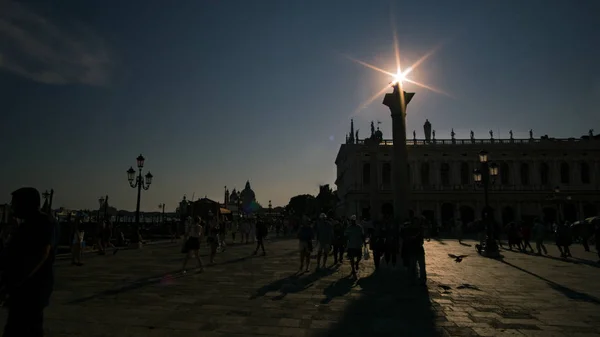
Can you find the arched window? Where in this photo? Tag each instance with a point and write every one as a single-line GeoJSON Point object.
{"type": "Point", "coordinates": [544, 174]}
{"type": "Point", "coordinates": [504, 173]}
{"type": "Point", "coordinates": [585, 173]}
{"type": "Point", "coordinates": [386, 173]}
{"type": "Point", "coordinates": [524, 174]}
{"type": "Point", "coordinates": [445, 174]}
{"type": "Point", "coordinates": [565, 173]}
{"type": "Point", "coordinates": [464, 173]}
{"type": "Point", "coordinates": [425, 174]}
{"type": "Point", "coordinates": [366, 173]}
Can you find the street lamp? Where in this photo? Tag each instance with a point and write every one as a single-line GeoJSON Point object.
{"type": "Point", "coordinates": [139, 183]}
{"type": "Point", "coordinates": [484, 176]}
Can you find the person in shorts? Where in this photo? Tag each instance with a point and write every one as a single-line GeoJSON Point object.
{"type": "Point", "coordinates": [305, 237]}
{"type": "Point", "coordinates": [355, 239]}
{"type": "Point", "coordinates": [193, 232]}
{"type": "Point", "coordinates": [324, 239]}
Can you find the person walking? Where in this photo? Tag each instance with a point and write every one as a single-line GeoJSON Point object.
{"type": "Point", "coordinates": [305, 246]}
{"type": "Point", "coordinates": [413, 240]}
{"type": "Point", "coordinates": [261, 233]}
{"type": "Point", "coordinates": [324, 239]}
{"type": "Point", "coordinates": [339, 244]}
{"type": "Point", "coordinates": [355, 237]}
{"type": "Point", "coordinates": [193, 233]}
{"type": "Point", "coordinates": [539, 233]}
{"type": "Point", "coordinates": [77, 237]}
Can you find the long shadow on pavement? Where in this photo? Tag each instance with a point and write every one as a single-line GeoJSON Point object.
{"type": "Point", "coordinates": [387, 306]}
{"type": "Point", "coordinates": [294, 283]}
{"type": "Point", "coordinates": [568, 292]}
{"type": "Point", "coordinates": [146, 281]}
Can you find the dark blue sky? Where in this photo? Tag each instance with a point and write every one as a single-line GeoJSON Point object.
{"type": "Point", "coordinates": [217, 92]}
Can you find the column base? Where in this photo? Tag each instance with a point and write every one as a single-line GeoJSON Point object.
{"type": "Point", "coordinates": [489, 249]}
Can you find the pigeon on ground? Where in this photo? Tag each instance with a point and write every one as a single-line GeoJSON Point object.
{"type": "Point", "coordinates": [457, 258]}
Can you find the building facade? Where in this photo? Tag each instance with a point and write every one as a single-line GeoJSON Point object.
{"type": "Point", "coordinates": [543, 177]}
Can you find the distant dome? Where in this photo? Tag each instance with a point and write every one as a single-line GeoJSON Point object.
{"type": "Point", "coordinates": [247, 194]}
{"type": "Point", "coordinates": [233, 197]}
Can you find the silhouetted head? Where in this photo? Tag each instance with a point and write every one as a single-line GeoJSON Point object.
{"type": "Point", "coordinates": [25, 201]}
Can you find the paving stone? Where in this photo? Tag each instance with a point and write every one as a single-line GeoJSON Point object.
{"type": "Point", "coordinates": [142, 293]}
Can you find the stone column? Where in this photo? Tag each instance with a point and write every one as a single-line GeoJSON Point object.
{"type": "Point", "coordinates": [397, 102]}
{"type": "Point", "coordinates": [438, 213]}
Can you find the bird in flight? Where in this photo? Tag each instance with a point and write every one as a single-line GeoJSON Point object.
{"type": "Point", "coordinates": [457, 258]}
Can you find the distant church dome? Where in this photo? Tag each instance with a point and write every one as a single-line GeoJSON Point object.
{"type": "Point", "coordinates": [233, 197]}
{"type": "Point", "coordinates": [247, 194]}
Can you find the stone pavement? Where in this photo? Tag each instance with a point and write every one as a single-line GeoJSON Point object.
{"type": "Point", "coordinates": [141, 293]}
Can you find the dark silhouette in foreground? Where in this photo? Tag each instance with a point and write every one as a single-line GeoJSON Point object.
{"type": "Point", "coordinates": [387, 306]}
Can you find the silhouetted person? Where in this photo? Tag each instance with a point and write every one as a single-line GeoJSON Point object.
{"type": "Point", "coordinates": [392, 243]}
{"type": "Point", "coordinates": [28, 277]}
{"type": "Point", "coordinates": [526, 236]}
{"type": "Point", "coordinates": [377, 243]}
{"type": "Point", "coordinates": [355, 239]}
{"type": "Point", "coordinates": [413, 240]}
{"type": "Point", "coordinates": [539, 233]}
{"type": "Point", "coordinates": [261, 233]}
{"type": "Point", "coordinates": [324, 235]}
{"type": "Point", "coordinates": [596, 224]}
{"type": "Point", "coordinates": [564, 239]}
{"type": "Point", "coordinates": [339, 242]}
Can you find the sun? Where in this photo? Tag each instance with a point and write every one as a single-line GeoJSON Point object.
{"type": "Point", "coordinates": [399, 77]}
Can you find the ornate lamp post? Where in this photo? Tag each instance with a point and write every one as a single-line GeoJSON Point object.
{"type": "Point", "coordinates": [484, 176]}
{"type": "Point", "coordinates": [270, 207]}
{"type": "Point", "coordinates": [139, 183]}
{"type": "Point", "coordinates": [397, 102]}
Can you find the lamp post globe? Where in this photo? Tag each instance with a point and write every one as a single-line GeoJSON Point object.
{"type": "Point", "coordinates": [130, 175]}
{"type": "Point", "coordinates": [483, 156]}
{"type": "Point", "coordinates": [149, 177]}
{"type": "Point", "coordinates": [140, 161]}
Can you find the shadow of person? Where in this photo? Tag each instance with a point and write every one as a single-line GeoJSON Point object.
{"type": "Point", "coordinates": [338, 288]}
{"type": "Point", "coordinates": [385, 307]}
{"type": "Point", "coordinates": [294, 283]}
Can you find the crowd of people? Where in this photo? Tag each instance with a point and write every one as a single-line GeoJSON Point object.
{"type": "Point", "coordinates": [320, 239]}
